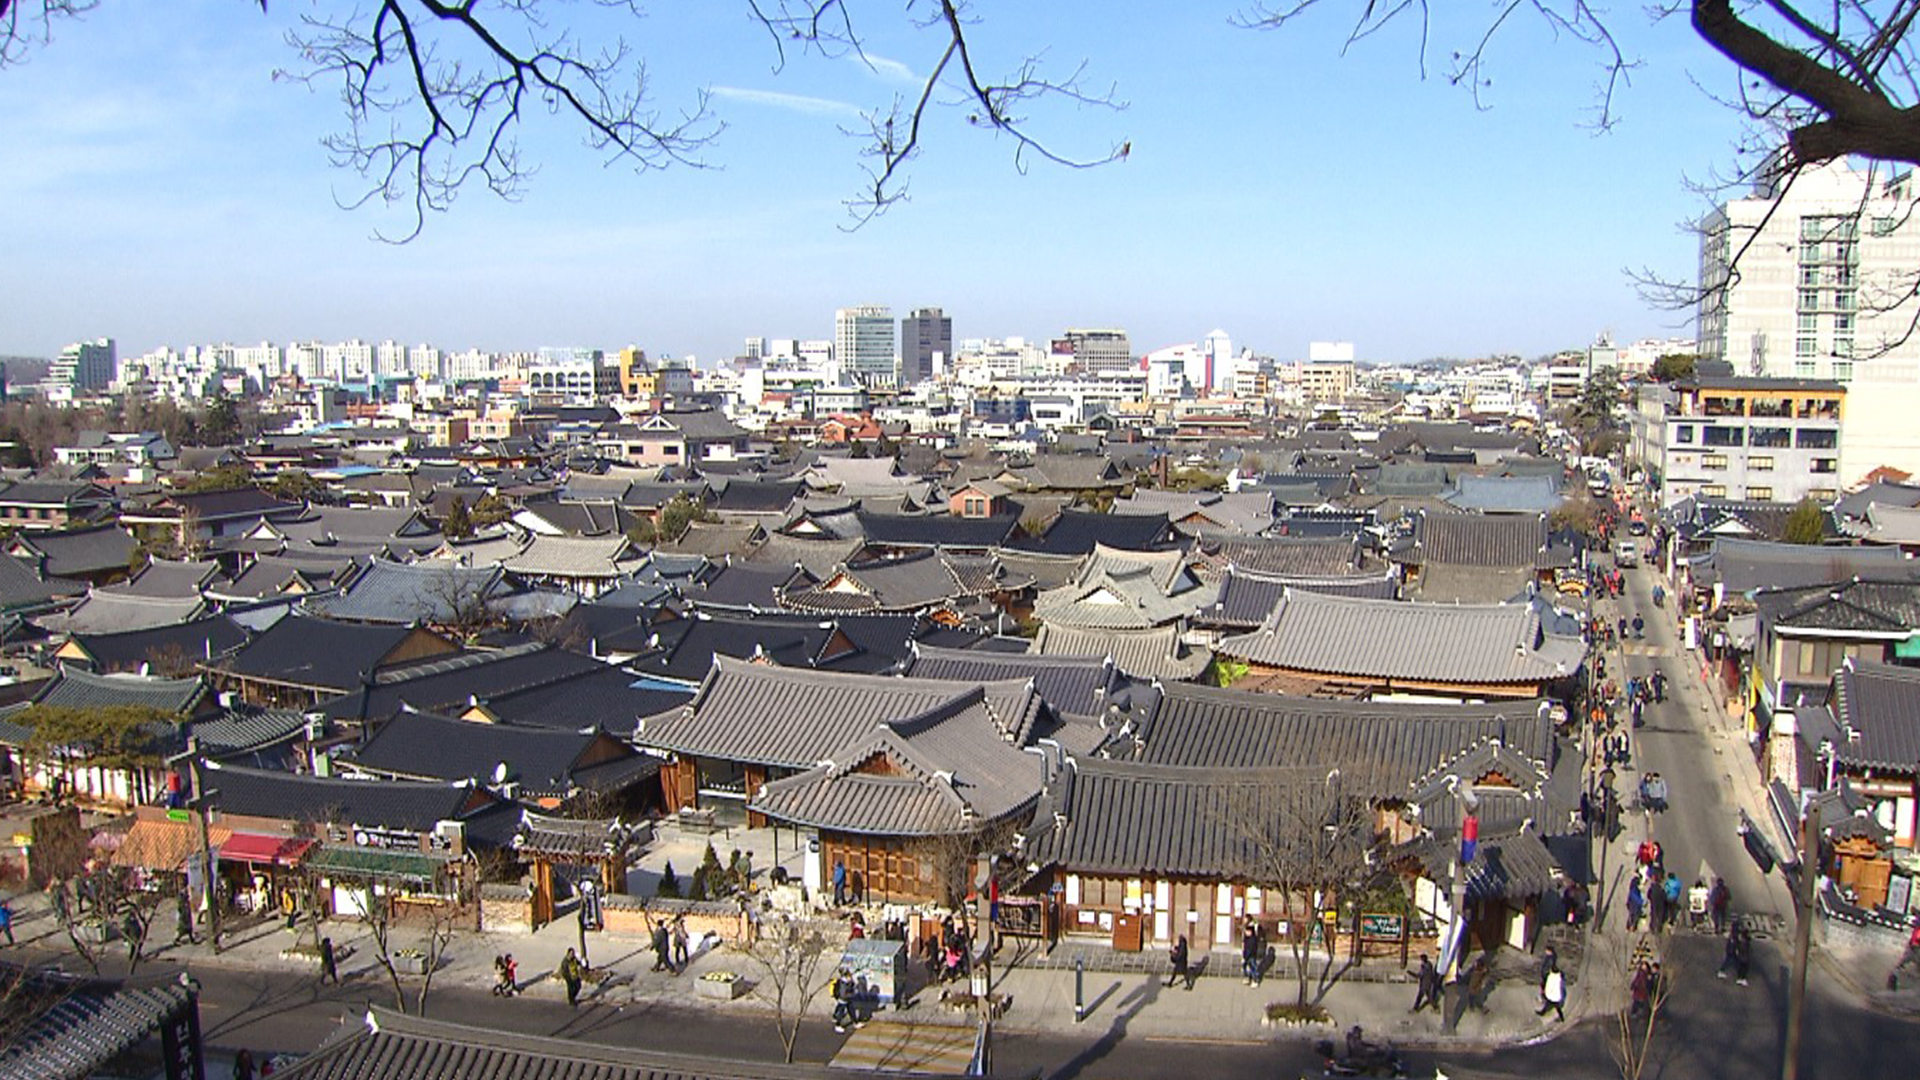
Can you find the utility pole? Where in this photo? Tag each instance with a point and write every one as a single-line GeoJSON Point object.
{"type": "Point", "coordinates": [209, 870]}
{"type": "Point", "coordinates": [1802, 939]}
{"type": "Point", "coordinates": [982, 980]}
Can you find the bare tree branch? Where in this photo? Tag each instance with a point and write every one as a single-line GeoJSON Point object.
{"type": "Point", "coordinates": [25, 23]}
{"type": "Point", "coordinates": [434, 91]}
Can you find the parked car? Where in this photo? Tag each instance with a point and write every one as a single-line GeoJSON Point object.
{"type": "Point", "coordinates": [1626, 554]}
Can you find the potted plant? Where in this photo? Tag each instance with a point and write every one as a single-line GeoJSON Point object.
{"type": "Point", "coordinates": [410, 961]}
{"type": "Point", "coordinates": [723, 985]}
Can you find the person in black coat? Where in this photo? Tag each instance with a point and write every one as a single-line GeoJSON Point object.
{"type": "Point", "coordinates": [1178, 957]}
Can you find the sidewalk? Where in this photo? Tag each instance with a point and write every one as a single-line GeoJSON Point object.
{"type": "Point", "coordinates": [1219, 1007]}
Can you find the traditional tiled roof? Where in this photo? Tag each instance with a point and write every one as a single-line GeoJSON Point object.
{"type": "Point", "coordinates": [755, 497]}
{"type": "Point", "coordinates": [716, 539]}
{"type": "Point", "coordinates": [20, 588]}
{"type": "Point", "coordinates": [792, 718]}
{"type": "Point", "coordinates": [1126, 591]}
{"type": "Point", "coordinates": [1516, 866]}
{"type": "Point", "coordinates": [1135, 820]}
{"type": "Point", "coordinates": [169, 579]}
{"type": "Point", "coordinates": [1877, 708]}
{"type": "Point", "coordinates": [573, 557]}
{"type": "Point", "coordinates": [569, 838]}
{"type": "Point", "coordinates": [386, 1045]}
{"type": "Point", "coordinates": [577, 517]}
{"type": "Point", "coordinates": [1383, 639]}
{"type": "Point", "coordinates": [104, 612]}
{"type": "Point", "coordinates": [1393, 742]}
{"type": "Point", "coordinates": [320, 653]}
{"type": "Point", "coordinates": [907, 583]}
{"type": "Point", "coordinates": [1146, 654]}
{"type": "Point", "coordinates": [1890, 608]}
{"type": "Point", "coordinates": [275, 575]}
{"type": "Point", "coordinates": [201, 640]}
{"type": "Point", "coordinates": [445, 683]}
{"type": "Point", "coordinates": [1078, 532]}
{"type": "Point", "coordinates": [76, 689]}
{"type": "Point", "coordinates": [869, 644]}
{"type": "Point", "coordinates": [816, 557]}
{"type": "Point", "coordinates": [79, 552]}
{"type": "Point", "coordinates": [1506, 494]}
{"type": "Point", "coordinates": [1497, 540]}
{"type": "Point", "coordinates": [394, 804]}
{"type": "Point", "coordinates": [391, 592]}
{"type": "Point", "coordinates": [1247, 599]}
{"type": "Point", "coordinates": [1193, 512]}
{"type": "Point", "coordinates": [247, 728]}
{"type": "Point", "coordinates": [542, 761]}
{"type": "Point", "coordinates": [612, 697]}
{"type": "Point", "coordinates": [1331, 556]}
{"type": "Point", "coordinates": [743, 585]}
{"type": "Point", "coordinates": [68, 1028]}
{"type": "Point", "coordinates": [1742, 566]}
{"type": "Point", "coordinates": [949, 769]}
{"type": "Point", "coordinates": [1083, 685]}
{"type": "Point", "coordinates": [937, 530]}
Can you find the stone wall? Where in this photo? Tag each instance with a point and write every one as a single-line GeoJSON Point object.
{"type": "Point", "coordinates": [628, 915]}
{"type": "Point", "coordinates": [505, 908]}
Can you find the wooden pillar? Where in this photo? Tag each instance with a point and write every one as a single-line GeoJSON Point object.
{"type": "Point", "coordinates": [756, 777]}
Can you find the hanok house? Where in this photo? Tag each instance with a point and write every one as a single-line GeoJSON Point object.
{"type": "Point", "coordinates": [190, 519]}
{"type": "Point", "coordinates": [398, 844]}
{"type": "Point", "coordinates": [302, 661]}
{"type": "Point", "coordinates": [896, 777]}
{"type": "Point", "coordinates": [1125, 850]}
{"type": "Point", "coordinates": [1130, 605]}
{"type": "Point", "coordinates": [122, 780]}
{"type": "Point", "coordinates": [1345, 646]}
{"type": "Point", "coordinates": [1869, 735]}
{"type": "Point", "coordinates": [1478, 558]}
{"type": "Point", "coordinates": [952, 590]}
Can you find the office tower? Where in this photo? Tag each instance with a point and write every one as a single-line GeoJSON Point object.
{"type": "Point", "coordinates": [863, 342]}
{"type": "Point", "coordinates": [923, 335]}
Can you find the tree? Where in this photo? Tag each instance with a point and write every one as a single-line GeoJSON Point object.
{"type": "Point", "coordinates": [110, 737]}
{"type": "Point", "coordinates": [1308, 836]}
{"type": "Point", "coordinates": [1630, 1041]}
{"type": "Point", "coordinates": [1806, 524]}
{"type": "Point", "coordinates": [297, 485]}
{"type": "Point", "coordinates": [680, 512]}
{"type": "Point", "coordinates": [1601, 397]}
{"type": "Point", "coordinates": [434, 91]}
{"type": "Point", "coordinates": [490, 509]}
{"type": "Point", "coordinates": [1673, 367]}
{"type": "Point", "coordinates": [222, 423]}
{"type": "Point", "coordinates": [459, 523]}
{"type": "Point", "coordinates": [222, 478]}
{"type": "Point", "coordinates": [789, 955]}
{"type": "Point", "coordinates": [442, 920]}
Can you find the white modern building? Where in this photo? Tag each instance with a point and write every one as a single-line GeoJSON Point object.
{"type": "Point", "coordinates": [1812, 273]}
{"type": "Point", "coordinates": [863, 342]}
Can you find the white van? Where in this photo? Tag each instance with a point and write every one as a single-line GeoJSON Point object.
{"type": "Point", "coordinates": [1626, 554]}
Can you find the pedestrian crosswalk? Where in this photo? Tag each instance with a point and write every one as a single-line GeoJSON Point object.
{"type": "Point", "coordinates": [891, 1046]}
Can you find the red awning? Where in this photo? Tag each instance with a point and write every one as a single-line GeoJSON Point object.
{"type": "Point", "coordinates": [271, 850]}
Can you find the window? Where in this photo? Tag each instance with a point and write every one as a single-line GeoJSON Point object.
{"type": "Point", "coordinates": [1809, 322]}
{"type": "Point", "coordinates": [1723, 436]}
{"type": "Point", "coordinates": [1778, 438]}
{"type": "Point", "coordinates": [1713, 461]}
{"type": "Point", "coordinates": [1803, 347]}
{"type": "Point", "coordinates": [1760, 463]}
{"type": "Point", "coordinates": [1809, 252]}
{"type": "Point", "coordinates": [1804, 662]}
{"type": "Point", "coordinates": [1843, 371]}
{"type": "Point", "coordinates": [1843, 347]}
{"type": "Point", "coordinates": [1809, 275]}
{"type": "Point", "coordinates": [1713, 491]}
{"type": "Point", "coordinates": [1825, 465]}
{"type": "Point", "coordinates": [1803, 369]}
{"type": "Point", "coordinates": [1817, 439]}
{"type": "Point", "coordinates": [1883, 226]}
{"type": "Point", "coordinates": [1762, 494]}
{"type": "Point", "coordinates": [1683, 433]}
{"type": "Point", "coordinates": [1843, 300]}
{"type": "Point", "coordinates": [1809, 299]}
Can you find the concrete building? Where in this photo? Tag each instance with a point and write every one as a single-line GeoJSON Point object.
{"type": "Point", "coordinates": [1739, 437]}
{"type": "Point", "coordinates": [85, 366]}
{"type": "Point", "coordinates": [926, 342]}
{"type": "Point", "coordinates": [1824, 275]}
{"type": "Point", "coordinates": [1098, 350]}
{"type": "Point", "coordinates": [863, 342]}
{"type": "Point", "coordinates": [1327, 374]}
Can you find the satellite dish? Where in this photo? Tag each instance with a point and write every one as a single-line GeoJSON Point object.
{"type": "Point", "coordinates": [500, 773]}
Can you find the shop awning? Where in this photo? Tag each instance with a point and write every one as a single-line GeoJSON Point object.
{"type": "Point", "coordinates": [264, 850]}
{"type": "Point", "coordinates": [379, 863]}
{"type": "Point", "coordinates": [164, 845]}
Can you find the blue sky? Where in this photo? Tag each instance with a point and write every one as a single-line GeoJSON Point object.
{"type": "Point", "coordinates": [1275, 189]}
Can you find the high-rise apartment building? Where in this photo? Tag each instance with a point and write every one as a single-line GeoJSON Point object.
{"type": "Point", "coordinates": [1800, 278]}
{"type": "Point", "coordinates": [1098, 350]}
{"type": "Point", "coordinates": [85, 365]}
{"type": "Point", "coordinates": [926, 333]}
{"type": "Point", "coordinates": [863, 342]}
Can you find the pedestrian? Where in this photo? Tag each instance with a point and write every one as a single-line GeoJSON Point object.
{"type": "Point", "coordinates": [1743, 954]}
{"type": "Point", "coordinates": [1250, 952]}
{"type": "Point", "coordinates": [1719, 902]}
{"type": "Point", "coordinates": [182, 918]}
{"type": "Point", "coordinates": [1177, 959]}
{"type": "Point", "coordinates": [243, 1065]}
{"type": "Point", "coordinates": [1642, 990]}
{"type": "Point", "coordinates": [1672, 888]}
{"type": "Point", "coordinates": [1427, 982]}
{"type": "Point", "coordinates": [1553, 989]}
{"type": "Point", "coordinates": [1639, 628]}
{"type": "Point", "coordinates": [1729, 954]}
{"type": "Point", "coordinates": [679, 943]}
{"type": "Point", "coordinates": [1479, 983]}
{"type": "Point", "coordinates": [839, 883]}
{"type": "Point", "coordinates": [842, 990]}
{"type": "Point", "coordinates": [329, 964]}
{"type": "Point", "coordinates": [1659, 687]}
{"type": "Point", "coordinates": [662, 946]}
{"type": "Point", "coordinates": [1656, 906]}
{"type": "Point", "coordinates": [6, 920]}
{"type": "Point", "coordinates": [499, 975]}
{"type": "Point", "coordinates": [1636, 904]}
{"type": "Point", "coordinates": [512, 974]}
{"type": "Point", "coordinates": [571, 975]}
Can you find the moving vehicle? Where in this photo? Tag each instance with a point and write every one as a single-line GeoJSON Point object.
{"type": "Point", "coordinates": [1626, 554]}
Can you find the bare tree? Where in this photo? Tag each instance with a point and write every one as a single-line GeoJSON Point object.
{"type": "Point", "coordinates": [789, 955]}
{"type": "Point", "coordinates": [441, 922]}
{"type": "Point", "coordinates": [1632, 1038]}
{"type": "Point", "coordinates": [1309, 837]}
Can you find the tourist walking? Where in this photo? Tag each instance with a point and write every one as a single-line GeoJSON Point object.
{"type": "Point", "coordinates": [329, 963]}
{"type": "Point", "coordinates": [1719, 903]}
{"type": "Point", "coordinates": [1553, 988]}
{"type": "Point", "coordinates": [1177, 959]}
{"type": "Point", "coordinates": [679, 943]}
{"type": "Point", "coordinates": [1636, 904]}
{"type": "Point", "coordinates": [1428, 992]}
{"type": "Point", "coordinates": [571, 974]}
{"type": "Point", "coordinates": [662, 946]}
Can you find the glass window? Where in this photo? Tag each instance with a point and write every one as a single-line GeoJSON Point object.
{"type": "Point", "coordinates": [1843, 371]}
{"type": "Point", "coordinates": [1723, 436]}
{"type": "Point", "coordinates": [1714, 491]}
{"type": "Point", "coordinates": [1764, 494]}
{"type": "Point", "coordinates": [1810, 252]}
{"type": "Point", "coordinates": [1803, 369]}
{"type": "Point", "coordinates": [1772, 437]}
{"type": "Point", "coordinates": [1713, 461]}
{"type": "Point", "coordinates": [1804, 347]}
{"type": "Point", "coordinates": [1809, 322]}
{"type": "Point", "coordinates": [1817, 439]}
{"type": "Point", "coordinates": [1825, 465]}
{"type": "Point", "coordinates": [1809, 299]}
{"type": "Point", "coordinates": [1843, 300]}
{"type": "Point", "coordinates": [1760, 463]}
{"type": "Point", "coordinates": [1883, 226]}
{"type": "Point", "coordinates": [1843, 347]}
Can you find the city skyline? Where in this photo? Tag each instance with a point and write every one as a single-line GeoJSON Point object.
{"type": "Point", "coordinates": [180, 198]}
